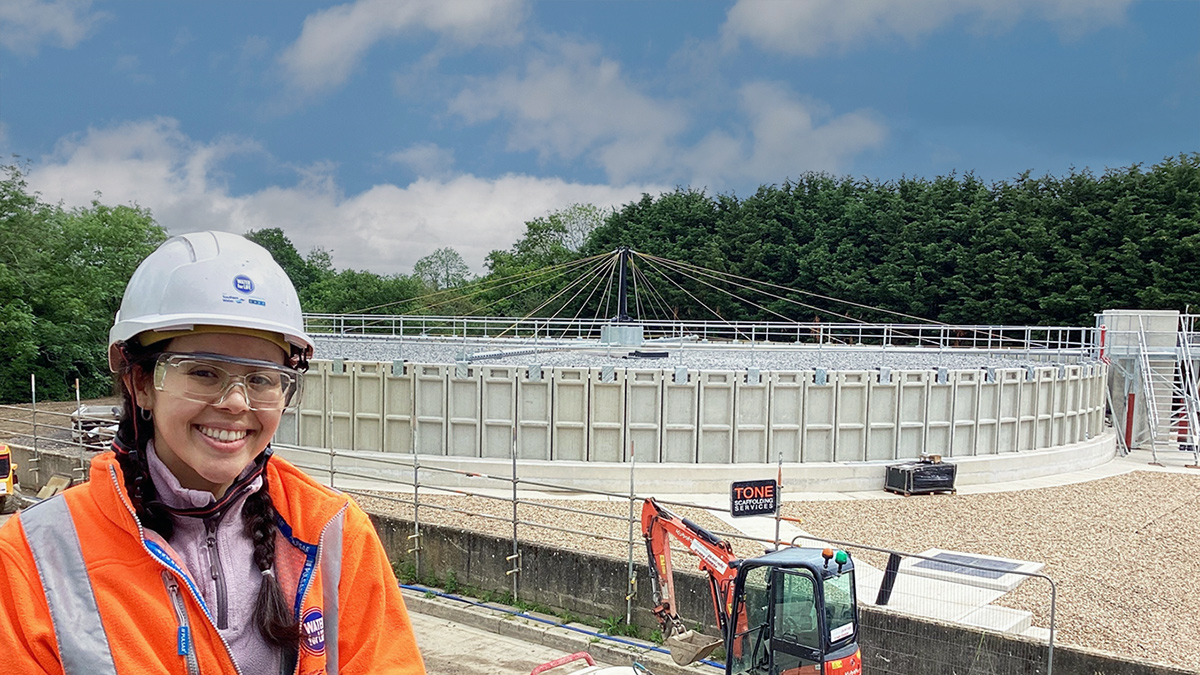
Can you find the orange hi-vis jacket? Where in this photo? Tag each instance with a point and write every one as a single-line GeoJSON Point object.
{"type": "Point", "coordinates": [84, 589]}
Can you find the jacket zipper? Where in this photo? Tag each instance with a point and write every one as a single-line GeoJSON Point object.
{"type": "Point", "coordinates": [218, 577]}
{"type": "Point", "coordinates": [183, 640]}
{"type": "Point", "coordinates": [112, 474]}
{"type": "Point", "coordinates": [308, 587]}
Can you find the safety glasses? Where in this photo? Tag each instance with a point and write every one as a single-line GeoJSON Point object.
{"type": "Point", "coordinates": [209, 379]}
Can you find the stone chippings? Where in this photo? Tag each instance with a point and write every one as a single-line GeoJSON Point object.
{"type": "Point", "coordinates": [1122, 550]}
{"type": "Point", "coordinates": [693, 356]}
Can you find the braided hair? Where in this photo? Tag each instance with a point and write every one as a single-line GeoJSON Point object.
{"type": "Point", "coordinates": [135, 428]}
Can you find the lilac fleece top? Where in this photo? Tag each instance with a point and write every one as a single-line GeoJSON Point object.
{"type": "Point", "coordinates": [219, 556]}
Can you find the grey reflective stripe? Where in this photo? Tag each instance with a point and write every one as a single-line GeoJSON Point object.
{"type": "Point", "coordinates": [331, 576]}
{"type": "Point", "coordinates": [82, 643]}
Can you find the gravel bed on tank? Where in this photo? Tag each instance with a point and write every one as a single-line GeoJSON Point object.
{"type": "Point", "coordinates": [693, 356]}
{"type": "Point", "coordinates": [1122, 551]}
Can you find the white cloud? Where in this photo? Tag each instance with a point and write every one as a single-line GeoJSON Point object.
{"type": "Point", "coordinates": [569, 102]}
{"type": "Point", "coordinates": [783, 137]}
{"type": "Point", "coordinates": [334, 40]}
{"type": "Point", "coordinates": [26, 24]}
{"type": "Point", "coordinates": [572, 103]}
{"type": "Point", "coordinates": [814, 27]}
{"type": "Point", "coordinates": [384, 229]}
{"type": "Point", "coordinates": [425, 159]}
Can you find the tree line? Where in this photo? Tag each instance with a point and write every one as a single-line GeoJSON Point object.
{"type": "Point", "coordinates": [1050, 250]}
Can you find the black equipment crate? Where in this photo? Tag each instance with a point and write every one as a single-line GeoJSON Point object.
{"type": "Point", "coordinates": [919, 478]}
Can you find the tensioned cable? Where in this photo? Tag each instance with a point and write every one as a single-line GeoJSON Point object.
{"type": "Point", "coordinates": [637, 301]}
{"type": "Point", "coordinates": [737, 297]}
{"type": "Point", "coordinates": [553, 297]}
{"type": "Point", "coordinates": [897, 332]}
{"type": "Point", "coordinates": [679, 268]}
{"type": "Point", "coordinates": [507, 297]}
{"type": "Point", "coordinates": [664, 306]}
{"type": "Point", "coordinates": [803, 292]}
{"type": "Point", "coordinates": [608, 290]}
{"type": "Point", "coordinates": [484, 283]}
{"type": "Point", "coordinates": [698, 300]}
{"type": "Point", "coordinates": [595, 287]}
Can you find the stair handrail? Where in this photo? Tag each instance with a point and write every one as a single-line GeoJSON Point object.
{"type": "Point", "coordinates": [1190, 386]}
{"type": "Point", "coordinates": [1148, 388]}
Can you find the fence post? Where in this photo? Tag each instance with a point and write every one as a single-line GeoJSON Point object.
{"type": "Point", "coordinates": [631, 585]}
{"type": "Point", "coordinates": [515, 558]}
{"type": "Point", "coordinates": [33, 420]}
{"type": "Point", "coordinates": [415, 537]}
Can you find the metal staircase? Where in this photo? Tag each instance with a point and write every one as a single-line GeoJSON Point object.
{"type": "Point", "coordinates": [1170, 391]}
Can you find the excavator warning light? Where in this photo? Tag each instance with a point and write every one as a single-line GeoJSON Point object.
{"type": "Point", "coordinates": [827, 553]}
{"type": "Point", "coordinates": [841, 558]}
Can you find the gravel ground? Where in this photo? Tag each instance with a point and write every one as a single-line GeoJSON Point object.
{"type": "Point", "coordinates": [691, 356]}
{"type": "Point", "coordinates": [1122, 550]}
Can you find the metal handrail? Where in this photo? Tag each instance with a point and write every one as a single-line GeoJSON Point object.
{"type": "Point", "coordinates": [551, 330]}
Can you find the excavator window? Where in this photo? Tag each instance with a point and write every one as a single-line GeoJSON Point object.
{"type": "Point", "coordinates": [749, 643]}
{"type": "Point", "coordinates": [839, 606]}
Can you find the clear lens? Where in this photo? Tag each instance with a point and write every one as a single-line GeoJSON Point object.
{"type": "Point", "coordinates": [209, 379]}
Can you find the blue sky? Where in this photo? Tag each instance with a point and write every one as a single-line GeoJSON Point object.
{"type": "Point", "coordinates": [384, 129]}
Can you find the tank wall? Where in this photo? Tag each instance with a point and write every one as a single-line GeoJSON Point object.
{"type": "Point", "coordinates": [693, 417]}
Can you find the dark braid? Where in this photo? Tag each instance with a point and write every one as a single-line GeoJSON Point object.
{"type": "Point", "coordinates": [133, 433]}
{"type": "Point", "coordinates": [271, 612]}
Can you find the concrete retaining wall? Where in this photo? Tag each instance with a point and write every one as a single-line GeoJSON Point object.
{"type": "Point", "coordinates": [593, 586]}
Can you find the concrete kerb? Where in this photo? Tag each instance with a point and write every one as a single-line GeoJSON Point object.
{"type": "Point", "coordinates": [528, 627]}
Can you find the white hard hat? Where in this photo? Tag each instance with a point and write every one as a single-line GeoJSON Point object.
{"type": "Point", "coordinates": [203, 280]}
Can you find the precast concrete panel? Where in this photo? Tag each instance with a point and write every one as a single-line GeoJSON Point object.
{"type": "Point", "coordinates": [913, 393]}
{"type": "Point", "coordinates": [750, 435]}
{"type": "Point", "coordinates": [850, 434]}
{"type": "Point", "coordinates": [643, 414]}
{"type": "Point", "coordinates": [569, 418]}
{"type": "Point", "coordinates": [311, 412]}
{"type": "Point", "coordinates": [882, 412]}
{"type": "Point", "coordinates": [965, 412]}
{"type": "Point", "coordinates": [463, 411]}
{"type": "Point", "coordinates": [1009, 416]}
{"type": "Point", "coordinates": [988, 415]}
{"type": "Point", "coordinates": [1028, 405]}
{"type": "Point", "coordinates": [786, 431]}
{"type": "Point", "coordinates": [498, 410]}
{"type": "Point", "coordinates": [606, 428]}
{"type": "Point", "coordinates": [1098, 386]}
{"type": "Point", "coordinates": [535, 411]}
{"type": "Point", "coordinates": [339, 407]}
{"type": "Point", "coordinates": [398, 406]}
{"type": "Point", "coordinates": [1073, 393]}
{"type": "Point", "coordinates": [679, 417]}
{"type": "Point", "coordinates": [820, 416]}
{"type": "Point", "coordinates": [429, 397]}
{"type": "Point", "coordinates": [716, 405]}
{"type": "Point", "coordinates": [1047, 379]}
{"type": "Point", "coordinates": [939, 418]}
{"type": "Point", "coordinates": [368, 405]}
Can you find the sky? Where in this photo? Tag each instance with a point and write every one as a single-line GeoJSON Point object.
{"type": "Point", "coordinates": [381, 130]}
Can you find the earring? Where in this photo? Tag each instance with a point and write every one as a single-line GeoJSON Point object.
{"type": "Point", "coordinates": [145, 414]}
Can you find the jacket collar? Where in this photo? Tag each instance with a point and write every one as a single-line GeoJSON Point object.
{"type": "Point", "coordinates": [304, 504]}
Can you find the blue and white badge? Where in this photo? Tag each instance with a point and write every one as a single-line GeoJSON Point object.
{"type": "Point", "coordinates": [243, 284]}
{"type": "Point", "coordinates": [313, 626]}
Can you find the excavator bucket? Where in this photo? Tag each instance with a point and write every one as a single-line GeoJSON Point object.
{"type": "Point", "coordinates": [690, 646]}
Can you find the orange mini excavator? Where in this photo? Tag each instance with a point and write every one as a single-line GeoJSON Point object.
{"type": "Point", "coordinates": [788, 612]}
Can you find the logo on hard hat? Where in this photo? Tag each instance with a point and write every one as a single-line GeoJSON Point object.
{"type": "Point", "coordinates": [243, 284]}
{"type": "Point", "coordinates": [313, 626]}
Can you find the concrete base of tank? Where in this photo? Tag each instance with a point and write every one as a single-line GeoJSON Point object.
{"type": "Point", "coordinates": [377, 470]}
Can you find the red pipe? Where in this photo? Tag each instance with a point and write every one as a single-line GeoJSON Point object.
{"type": "Point", "coordinates": [1129, 422]}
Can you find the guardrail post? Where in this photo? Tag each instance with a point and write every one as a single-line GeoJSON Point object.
{"type": "Point", "coordinates": [631, 586]}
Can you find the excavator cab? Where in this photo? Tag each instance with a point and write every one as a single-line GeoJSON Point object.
{"type": "Point", "coordinates": [794, 613]}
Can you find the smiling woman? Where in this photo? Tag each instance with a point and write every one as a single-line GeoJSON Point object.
{"type": "Point", "coordinates": [191, 545]}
